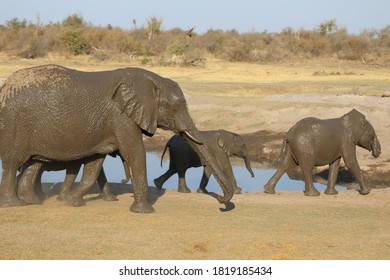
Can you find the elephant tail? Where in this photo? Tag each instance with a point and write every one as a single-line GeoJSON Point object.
{"type": "Point", "coordinates": [165, 149]}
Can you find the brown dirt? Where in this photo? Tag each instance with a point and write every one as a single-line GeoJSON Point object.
{"type": "Point", "coordinates": [287, 225]}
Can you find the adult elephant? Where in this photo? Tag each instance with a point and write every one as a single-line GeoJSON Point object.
{"type": "Point", "coordinates": [54, 113]}
{"type": "Point", "coordinates": [314, 142]}
{"type": "Point", "coordinates": [222, 144]}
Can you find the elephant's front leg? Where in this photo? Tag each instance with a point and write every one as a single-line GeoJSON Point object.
{"type": "Point", "coordinates": [205, 180]}
{"type": "Point", "coordinates": [91, 172]}
{"type": "Point", "coordinates": [105, 187]}
{"type": "Point", "coordinates": [333, 171]}
{"type": "Point", "coordinates": [353, 165]}
{"type": "Point", "coordinates": [227, 169]}
{"type": "Point", "coordinates": [131, 148]}
{"type": "Point", "coordinates": [72, 169]}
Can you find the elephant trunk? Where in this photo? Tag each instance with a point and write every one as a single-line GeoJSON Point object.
{"type": "Point", "coordinates": [205, 155]}
{"type": "Point", "coordinates": [376, 147]}
{"type": "Point", "coordinates": [248, 165]}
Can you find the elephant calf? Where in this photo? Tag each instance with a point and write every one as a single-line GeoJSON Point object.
{"type": "Point", "coordinates": [222, 145]}
{"type": "Point", "coordinates": [314, 142]}
{"type": "Point", "coordinates": [30, 187]}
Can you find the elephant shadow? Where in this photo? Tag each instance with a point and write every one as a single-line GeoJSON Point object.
{"type": "Point", "coordinates": [344, 176]}
{"type": "Point", "coordinates": [229, 206]}
{"type": "Point", "coordinates": [53, 189]}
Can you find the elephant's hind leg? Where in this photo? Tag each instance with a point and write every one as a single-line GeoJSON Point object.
{"type": "Point", "coordinates": [333, 171]}
{"type": "Point", "coordinates": [286, 163]}
{"type": "Point", "coordinates": [159, 182]}
{"type": "Point", "coordinates": [28, 182]}
{"type": "Point", "coordinates": [307, 170]}
{"type": "Point", "coordinates": [8, 196]}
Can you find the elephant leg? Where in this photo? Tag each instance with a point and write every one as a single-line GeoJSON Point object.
{"type": "Point", "coordinates": [182, 185]}
{"type": "Point", "coordinates": [39, 189]}
{"type": "Point", "coordinates": [159, 182]}
{"type": "Point", "coordinates": [72, 169]}
{"type": "Point", "coordinates": [333, 171]}
{"type": "Point", "coordinates": [307, 170]}
{"type": "Point", "coordinates": [8, 196]}
{"type": "Point", "coordinates": [228, 171]}
{"type": "Point", "coordinates": [287, 162]}
{"type": "Point", "coordinates": [28, 182]}
{"type": "Point", "coordinates": [90, 174]}
{"type": "Point", "coordinates": [105, 187]}
{"type": "Point", "coordinates": [353, 166]}
{"type": "Point", "coordinates": [205, 180]}
{"type": "Point", "coordinates": [131, 148]}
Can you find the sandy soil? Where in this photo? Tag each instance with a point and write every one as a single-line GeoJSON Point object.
{"type": "Point", "coordinates": [287, 225]}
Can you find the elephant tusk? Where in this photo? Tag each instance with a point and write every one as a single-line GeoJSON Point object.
{"type": "Point", "coordinates": [192, 138]}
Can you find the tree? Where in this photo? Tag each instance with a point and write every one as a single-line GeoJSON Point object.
{"type": "Point", "coordinates": [154, 26]}
{"type": "Point", "coordinates": [73, 34]}
{"type": "Point", "coordinates": [327, 27]}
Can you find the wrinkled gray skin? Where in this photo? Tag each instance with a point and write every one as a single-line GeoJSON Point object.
{"type": "Point", "coordinates": [55, 113]}
{"type": "Point", "coordinates": [222, 144]}
{"type": "Point", "coordinates": [314, 142]}
{"type": "Point", "coordinates": [30, 187]}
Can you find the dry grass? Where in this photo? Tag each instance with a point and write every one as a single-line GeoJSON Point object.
{"type": "Point", "coordinates": [191, 226]}
{"type": "Point", "coordinates": [221, 78]}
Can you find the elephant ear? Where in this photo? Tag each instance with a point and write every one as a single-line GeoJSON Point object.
{"type": "Point", "coordinates": [226, 142]}
{"type": "Point", "coordinates": [355, 123]}
{"type": "Point", "coordinates": [137, 97]}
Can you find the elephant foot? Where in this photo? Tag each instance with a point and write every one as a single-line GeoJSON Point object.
{"type": "Point", "coordinates": [201, 190]}
{"type": "Point", "coordinates": [110, 197]}
{"type": "Point", "coordinates": [61, 198]}
{"type": "Point", "coordinates": [312, 192]}
{"type": "Point", "coordinates": [11, 201]}
{"type": "Point", "coordinates": [75, 201]}
{"type": "Point", "coordinates": [141, 207]}
{"type": "Point", "coordinates": [364, 191]}
{"type": "Point", "coordinates": [329, 191]}
{"type": "Point", "coordinates": [269, 189]}
{"type": "Point", "coordinates": [29, 198]}
{"type": "Point", "coordinates": [183, 190]}
{"type": "Point", "coordinates": [237, 190]}
{"type": "Point", "coordinates": [158, 183]}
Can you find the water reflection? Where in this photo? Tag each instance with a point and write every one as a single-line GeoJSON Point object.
{"type": "Point", "coordinates": [114, 171]}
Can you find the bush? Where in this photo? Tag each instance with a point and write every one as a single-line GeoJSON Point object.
{"type": "Point", "coordinates": [175, 46]}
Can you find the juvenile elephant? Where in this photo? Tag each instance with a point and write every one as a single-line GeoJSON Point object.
{"type": "Point", "coordinates": [53, 113]}
{"type": "Point", "coordinates": [30, 187]}
{"type": "Point", "coordinates": [314, 142]}
{"type": "Point", "coordinates": [222, 144]}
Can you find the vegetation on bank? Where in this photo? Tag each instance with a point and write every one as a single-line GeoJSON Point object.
{"type": "Point", "coordinates": [151, 43]}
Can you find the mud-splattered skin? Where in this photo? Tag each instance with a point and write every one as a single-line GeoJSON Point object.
{"type": "Point", "coordinates": [313, 142]}
{"type": "Point", "coordinates": [54, 113]}
{"type": "Point", "coordinates": [222, 144]}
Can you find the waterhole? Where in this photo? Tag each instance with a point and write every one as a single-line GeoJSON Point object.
{"type": "Point", "coordinates": [115, 173]}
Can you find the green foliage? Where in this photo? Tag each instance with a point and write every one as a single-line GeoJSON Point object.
{"type": "Point", "coordinates": [74, 21]}
{"type": "Point", "coordinates": [75, 41]}
{"type": "Point", "coordinates": [327, 27]}
{"type": "Point", "coordinates": [178, 48]}
{"type": "Point", "coordinates": [73, 35]}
